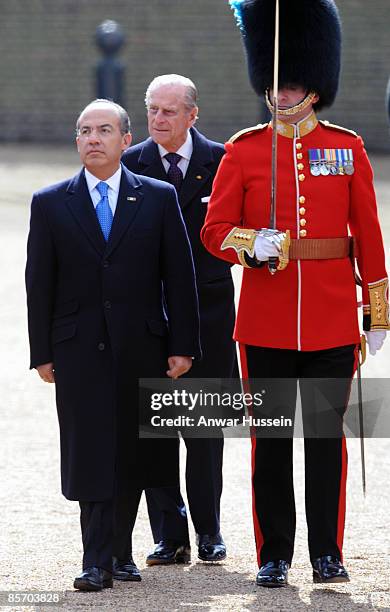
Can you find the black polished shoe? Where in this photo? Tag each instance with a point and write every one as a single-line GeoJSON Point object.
{"type": "Point", "coordinates": [273, 574]}
{"type": "Point", "coordinates": [125, 570]}
{"type": "Point", "coordinates": [93, 579]}
{"type": "Point", "coordinates": [211, 548]}
{"type": "Point", "coordinates": [329, 569]}
{"type": "Point", "coordinates": [168, 552]}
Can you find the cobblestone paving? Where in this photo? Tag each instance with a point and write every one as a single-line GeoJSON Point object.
{"type": "Point", "coordinates": [40, 540]}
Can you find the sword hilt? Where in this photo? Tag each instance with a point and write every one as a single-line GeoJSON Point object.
{"type": "Point", "coordinates": [273, 263]}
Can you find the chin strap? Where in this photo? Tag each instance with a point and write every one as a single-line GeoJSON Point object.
{"type": "Point", "coordinates": [294, 109]}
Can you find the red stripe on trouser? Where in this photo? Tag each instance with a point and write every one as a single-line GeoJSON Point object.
{"type": "Point", "coordinates": [343, 479]}
{"type": "Point", "coordinates": [256, 524]}
{"type": "Point", "coordinates": [342, 497]}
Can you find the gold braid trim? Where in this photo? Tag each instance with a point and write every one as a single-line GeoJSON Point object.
{"type": "Point", "coordinates": [379, 304]}
{"type": "Point", "coordinates": [241, 259]}
{"type": "Point", "coordinates": [288, 112]}
{"type": "Point", "coordinates": [242, 241]}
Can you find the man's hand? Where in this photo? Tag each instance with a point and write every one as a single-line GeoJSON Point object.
{"type": "Point", "coordinates": [46, 372]}
{"type": "Point", "coordinates": [267, 244]}
{"type": "Point", "coordinates": [375, 340]}
{"type": "Point", "coordinates": [178, 365]}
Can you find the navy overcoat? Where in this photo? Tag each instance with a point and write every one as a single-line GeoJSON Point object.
{"type": "Point", "coordinates": [96, 310]}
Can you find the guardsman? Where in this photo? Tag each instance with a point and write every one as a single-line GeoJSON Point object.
{"type": "Point", "coordinates": [300, 322]}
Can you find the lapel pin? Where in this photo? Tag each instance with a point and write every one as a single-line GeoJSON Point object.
{"type": "Point", "coordinates": [131, 199]}
{"type": "Point", "coordinates": [199, 177]}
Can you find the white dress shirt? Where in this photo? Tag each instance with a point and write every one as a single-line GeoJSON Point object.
{"type": "Point", "coordinates": [113, 188]}
{"type": "Point", "coordinates": [185, 151]}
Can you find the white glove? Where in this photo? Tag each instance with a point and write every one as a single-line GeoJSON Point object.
{"type": "Point", "coordinates": [268, 244]}
{"type": "Point", "coordinates": [375, 340]}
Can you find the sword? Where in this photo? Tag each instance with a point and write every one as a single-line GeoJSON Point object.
{"type": "Point", "coordinates": [273, 261]}
{"type": "Point", "coordinates": [361, 415]}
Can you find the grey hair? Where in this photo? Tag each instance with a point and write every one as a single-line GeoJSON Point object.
{"type": "Point", "coordinates": [124, 119]}
{"type": "Point", "coordinates": [190, 93]}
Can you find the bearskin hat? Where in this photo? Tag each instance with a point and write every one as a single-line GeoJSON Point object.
{"type": "Point", "coordinates": [309, 44]}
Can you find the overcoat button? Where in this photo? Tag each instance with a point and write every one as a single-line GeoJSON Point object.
{"type": "Point", "coordinates": [101, 346]}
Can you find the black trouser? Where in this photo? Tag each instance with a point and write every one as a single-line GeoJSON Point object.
{"type": "Point", "coordinates": [167, 511]}
{"type": "Point", "coordinates": [325, 458]}
{"type": "Point", "coordinates": [106, 529]}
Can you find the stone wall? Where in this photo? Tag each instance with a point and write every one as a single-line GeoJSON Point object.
{"type": "Point", "coordinates": [48, 56]}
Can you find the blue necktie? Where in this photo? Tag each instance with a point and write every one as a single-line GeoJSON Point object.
{"type": "Point", "coordinates": [175, 175]}
{"type": "Point", "coordinates": [103, 210]}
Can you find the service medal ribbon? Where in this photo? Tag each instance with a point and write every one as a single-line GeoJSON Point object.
{"type": "Point", "coordinates": [314, 159]}
{"type": "Point", "coordinates": [349, 167]}
{"type": "Point", "coordinates": [333, 162]}
{"type": "Point", "coordinates": [323, 166]}
{"type": "Point", "coordinates": [340, 161]}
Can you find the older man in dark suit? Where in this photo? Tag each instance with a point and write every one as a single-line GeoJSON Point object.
{"type": "Point", "coordinates": [103, 248]}
{"type": "Point", "coordinates": [178, 153]}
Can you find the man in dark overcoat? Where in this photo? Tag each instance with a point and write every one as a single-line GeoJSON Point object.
{"type": "Point", "coordinates": [103, 248]}
{"type": "Point", "coordinates": [178, 153]}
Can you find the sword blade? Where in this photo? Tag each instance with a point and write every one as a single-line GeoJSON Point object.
{"type": "Point", "coordinates": [361, 427]}
{"type": "Point", "coordinates": [273, 261]}
{"type": "Point", "coordinates": [274, 167]}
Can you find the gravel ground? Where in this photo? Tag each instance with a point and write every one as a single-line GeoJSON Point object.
{"type": "Point", "coordinates": [41, 544]}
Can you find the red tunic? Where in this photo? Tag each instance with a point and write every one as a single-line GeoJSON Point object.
{"type": "Point", "coordinates": [312, 304]}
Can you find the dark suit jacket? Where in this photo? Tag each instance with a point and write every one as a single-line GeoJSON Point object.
{"type": "Point", "coordinates": [214, 281]}
{"type": "Point", "coordinates": [96, 310]}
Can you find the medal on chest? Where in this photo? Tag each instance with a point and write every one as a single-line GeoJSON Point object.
{"type": "Point", "coordinates": [331, 162]}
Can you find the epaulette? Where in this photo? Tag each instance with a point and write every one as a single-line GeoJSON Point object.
{"type": "Point", "coordinates": [255, 128]}
{"type": "Point", "coordinates": [332, 126]}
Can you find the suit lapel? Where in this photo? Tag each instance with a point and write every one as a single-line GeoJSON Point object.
{"type": "Point", "coordinates": [129, 201]}
{"type": "Point", "coordinates": [197, 173]}
{"type": "Point", "coordinates": [150, 161]}
{"type": "Point", "coordinates": [80, 205]}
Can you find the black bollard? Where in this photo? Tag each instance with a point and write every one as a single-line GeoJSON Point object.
{"type": "Point", "coordinates": [110, 70]}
